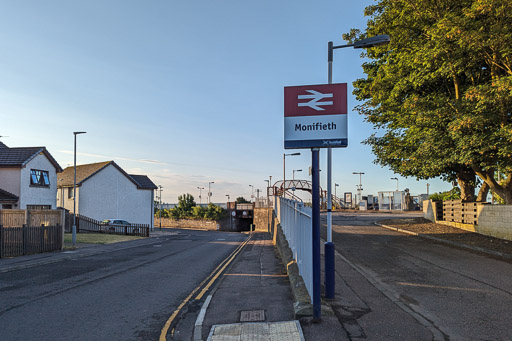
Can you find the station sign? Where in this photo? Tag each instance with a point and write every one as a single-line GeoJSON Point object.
{"type": "Point", "coordinates": [315, 116]}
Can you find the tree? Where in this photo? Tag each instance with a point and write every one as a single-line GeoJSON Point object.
{"type": "Point", "coordinates": [440, 94]}
{"type": "Point", "coordinates": [185, 205]}
{"type": "Point", "coordinates": [242, 200]}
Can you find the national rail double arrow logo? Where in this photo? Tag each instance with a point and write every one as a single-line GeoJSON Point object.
{"type": "Point", "coordinates": [315, 98]}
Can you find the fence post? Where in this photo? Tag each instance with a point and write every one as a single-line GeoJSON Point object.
{"type": "Point", "coordinates": [41, 239]}
{"type": "Point", "coordinates": [24, 238]}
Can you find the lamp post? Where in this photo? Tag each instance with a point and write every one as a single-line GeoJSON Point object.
{"type": "Point", "coordinates": [227, 196]}
{"type": "Point", "coordinates": [428, 185]}
{"type": "Point", "coordinates": [360, 186]}
{"type": "Point", "coordinates": [200, 189]}
{"type": "Point", "coordinates": [396, 183]}
{"type": "Point", "coordinates": [335, 185]}
{"type": "Point", "coordinates": [160, 210]}
{"type": "Point", "coordinates": [209, 192]}
{"type": "Point", "coordinates": [296, 170]}
{"type": "Point", "coordinates": [73, 229]}
{"type": "Point", "coordinates": [252, 192]}
{"type": "Point", "coordinates": [284, 171]}
{"type": "Point", "coordinates": [329, 246]}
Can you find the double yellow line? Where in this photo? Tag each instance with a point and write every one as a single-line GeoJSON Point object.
{"type": "Point", "coordinates": [212, 277]}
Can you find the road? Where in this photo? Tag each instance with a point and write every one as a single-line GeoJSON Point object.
{"type": "Point", "coordinates": [123, 295]}
{"type": "Point", "coordinates": [400, 287]}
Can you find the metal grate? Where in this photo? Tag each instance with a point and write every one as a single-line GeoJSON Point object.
{"type": "Point", "coordinates": [252, 315]}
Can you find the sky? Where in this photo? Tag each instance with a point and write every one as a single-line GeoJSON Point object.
{"type": "Point", "coordinates": [186, 92]}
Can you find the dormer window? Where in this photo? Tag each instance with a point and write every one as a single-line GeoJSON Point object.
{"type": "Point", "coordinates": [39, 178]}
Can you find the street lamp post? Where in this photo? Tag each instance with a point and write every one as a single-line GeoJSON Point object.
{"type": "Point", "coordinates": [73, 229]}
{"type": "Point", "coordinates": [252, 192]}
{"type": "Point", "coordinates": [200, 189]}
{"type": "Point", "coordinates": [396, 183]}
{"type": "Point", "coordinates": [360, 186]}
{"type": "Point", "coordinates": [296, 170]}
{"type": "Point", "coordinates": [284, 171]}
{"type": "Point", "coordinates": [209, 192]}
{"type": "Point", "coordinates": [160, 210]}
{"type": "Point", "coordinates": [227, 196]}
{"type": "Point", "coordinates": [329, 246]}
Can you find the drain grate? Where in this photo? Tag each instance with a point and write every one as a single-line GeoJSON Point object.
{"type": "Point", "coordinates": [252, 315]}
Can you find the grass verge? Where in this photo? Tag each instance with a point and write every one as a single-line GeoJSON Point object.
{"type": "Point", "coordinates": [98, 238]}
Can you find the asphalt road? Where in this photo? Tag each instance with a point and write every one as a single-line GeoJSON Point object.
{"type": "Point", "coordinates": [417, 289]}
{"type": "Point", "coordinates": [121, 295]}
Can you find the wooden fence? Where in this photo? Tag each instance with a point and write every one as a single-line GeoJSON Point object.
{"type": "Point", "coordinates": [24, 240]}
{"type": "Point", "coordinates": [17, 218]}
{"type": "Point", "coordinates": [460, 212]}
{"type": "Point", "coordinates": [91, 225]}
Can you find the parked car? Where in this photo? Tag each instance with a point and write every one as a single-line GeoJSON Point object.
{"type": "Point", "coordinates": [115, 222]}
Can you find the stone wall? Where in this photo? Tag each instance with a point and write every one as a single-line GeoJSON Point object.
{"type": "Point", "coordinates": [261, 218]}
{"type": "Point", "coordinates": [186, 223]}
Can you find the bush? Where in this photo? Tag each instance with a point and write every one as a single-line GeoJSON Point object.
{"type": "Point", "coordinates": [452, 194]}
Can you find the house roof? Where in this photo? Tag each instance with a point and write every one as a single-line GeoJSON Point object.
{"type": "Point", "coordinates": [143, 181]}
{"type": "Point", "coordinates": [2, 145]}
{"type": "Point", "coordinates": [20, 156]}
{"type": "Point", "coordinates": [6, 196]}
{"type": "Point", "coordinates": [84, 172]}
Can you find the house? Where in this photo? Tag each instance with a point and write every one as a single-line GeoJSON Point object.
{"type": "Point", "coordinates": [28, 178]}
{"type": "Point", "coordinates": [105, 190]}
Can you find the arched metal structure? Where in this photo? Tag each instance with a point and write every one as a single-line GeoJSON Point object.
{"type": "Point", "coordinates": [304, 185]}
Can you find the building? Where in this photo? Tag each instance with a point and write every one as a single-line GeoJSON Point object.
{"type": "Point", "coordinates": [28, 178]}
{"type": "Point", "coordinates": [105, 191]}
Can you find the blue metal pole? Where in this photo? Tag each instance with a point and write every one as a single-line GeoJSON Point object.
{"type": "Point", "coordinates": [315, 167]}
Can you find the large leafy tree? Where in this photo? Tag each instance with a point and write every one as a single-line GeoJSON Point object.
{"type": "Point", "coordinates": [440, 93]}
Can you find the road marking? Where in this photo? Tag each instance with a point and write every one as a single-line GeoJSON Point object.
{"type": "Point", "coordinates": [215, 273]}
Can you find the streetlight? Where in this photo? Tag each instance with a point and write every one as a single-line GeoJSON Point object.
{"type": "Point", "coordinates": [200, 189]}
{"type": "Point", "coordinates": [252, 191]}
{"type": "Point", "coordinates": [296, 170]}
{"type": "Point", "coordinates": [209, 192]}
{"type": "Point", "coordinates": [160, 210]}
{"type": "Point", "coordinates": [364, 43]}
{"type": "Point", "coordinates": [73, 230]}
{"type": "Point", "coordinates": [227, 196]}
{"type": "Point", "coordinates": [396, 183]}
{"type": "Point", "coordinates": [360, 186]}
{"type": "Point", "coordinates": [335, 185]}
{"type": "Point", "coordinates": [284, 171]}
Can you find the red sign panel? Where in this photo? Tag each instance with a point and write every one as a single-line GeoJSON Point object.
{"type": "Point", "coordinates": [312, 100]}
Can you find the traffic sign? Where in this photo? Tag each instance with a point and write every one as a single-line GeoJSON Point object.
{"type": "Point", "coordinates": [315, 116]}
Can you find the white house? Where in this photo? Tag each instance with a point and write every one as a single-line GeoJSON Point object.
{"type": "Point", "coordinates": [105, 190]}
{"type": "Point", "coordinates": [28, 178]}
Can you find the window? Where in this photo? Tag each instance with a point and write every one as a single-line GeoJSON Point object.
{"type": "Point", "coordinates": [7, 206]}
{"type": "Point", "coordinates": [39, 178]}
{"type": "Point", "coordinates": [70, 192]}
{"type": "Point", "coordinates": [39, 207]}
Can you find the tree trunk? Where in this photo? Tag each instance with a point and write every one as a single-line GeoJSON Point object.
{"type": "Point", "coordinates": [466, 180]}
{"type": "Point", "coordinates": [483, 192]}
{"type": "Point", "coordinates": [503, 189]}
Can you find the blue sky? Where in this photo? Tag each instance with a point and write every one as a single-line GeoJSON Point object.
{"type": "Point", "coordinates": [186, 92]}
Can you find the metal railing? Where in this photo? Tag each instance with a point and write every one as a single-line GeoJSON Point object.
{"type": "Point", "coordinates": [296, 223]}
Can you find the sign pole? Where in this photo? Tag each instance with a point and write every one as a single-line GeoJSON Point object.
{"type": "Point", "coordinates": [315, 166]}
